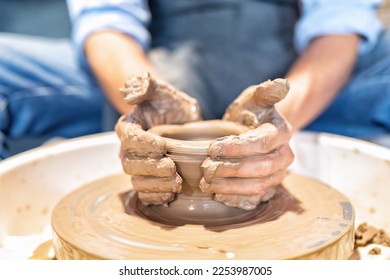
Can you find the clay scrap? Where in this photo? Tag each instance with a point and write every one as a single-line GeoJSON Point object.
{"type": "Point", "coordinates": [366, 234]}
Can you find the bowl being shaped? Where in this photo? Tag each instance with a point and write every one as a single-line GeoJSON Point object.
{"type": "Point", "coordinates": [187, 146]}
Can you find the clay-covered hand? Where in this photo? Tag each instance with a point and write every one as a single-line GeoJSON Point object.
{"type": "Point", "coordinates": [242, 170]}
{"type": "Point", "coordinates": [143, 156]}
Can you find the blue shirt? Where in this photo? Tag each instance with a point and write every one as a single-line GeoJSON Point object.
{"type": "Point", "coordinates": [318, 17]}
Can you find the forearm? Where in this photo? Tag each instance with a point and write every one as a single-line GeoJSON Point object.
{"type": "Point", "coordinates": [114, 57]}
{"type": "Point", "coordinates": [317, 76]}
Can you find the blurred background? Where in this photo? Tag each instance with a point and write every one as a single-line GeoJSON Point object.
{"type": "Point", "coordinates": [50, 17]}
{"type": "Point", "coordinates": [35, 17]}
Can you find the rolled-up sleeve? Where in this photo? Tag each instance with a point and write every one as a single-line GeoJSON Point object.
{"type": "Point", "coordinates": [330, 17]}
{"type": "Point", "coordinates": [130, 17]}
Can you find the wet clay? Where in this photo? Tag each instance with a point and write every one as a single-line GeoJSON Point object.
{"type": "Point", "coordinates": [254, 108]}
{"type": "Point", "coordinates": [281, 203]}
{"type": "Point", "coordinates": [370, 240]}
{"type": "Point", "coordinates": [366, 234]}
{"type": "Point", "coordinates": [158, 102]}
{"type": "Point", "coordinates": [143, 154]}
{"type": "Point", "coordinates": [255, 105]}
{"type": "Point", "coordinates": [187, 146]}
{"type": "Point", "coordinates": [104, 220]}
{"type": "Point", "coordinates": [375, 251]}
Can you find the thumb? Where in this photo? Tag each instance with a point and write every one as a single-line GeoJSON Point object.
{"type": "Point", "coordinates": [138, 88]}
{"type": "Point", "coordinates": [270, 92]}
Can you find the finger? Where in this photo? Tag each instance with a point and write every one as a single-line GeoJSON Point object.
{"type": "Point", "coordinates": [175, 105]}
{"type": "Point", "coordinates": [255, 105]}
{"type": "Point", "coordinates": [240, 201]}
{"type": "Point", "coordinates": [238, 110]}
{"type": "Point", "coordinates": [245, 202]}
{"type": "Point", "coordinates": [243, 116]}
{"type": "Point", "coordinates": [137, 89]}
{"type": "Point", "coordinates": [156, 198]}
{"type": "Point", "coordinates": [242, 186]}
{"type": "Point", "coordinates": [158, 167]}
{"type": "Point", "coordinates": [264, 95]}
{"type": "Point", "coordinates": [166, 103]}
{"type": "Point", "coordinates": [254, 142]}
{"type": "Point", "coordinates": [271, 92]}
{"type": "Point", "coordinates": [250, 167]}
{"type": "Point", "coordinates": [135, 140]}
{"type": "Point", "coordinates": [151, 184]}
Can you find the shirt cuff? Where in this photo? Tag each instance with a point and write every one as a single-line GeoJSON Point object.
{"type": "Point", "coordinates": [339, 19]}
{"type": "Point", "coordinates": [91, 21]}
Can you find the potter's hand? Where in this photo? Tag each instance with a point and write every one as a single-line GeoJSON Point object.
{"type": "Point", "coordinates": [242, 170]}
{"type": "Point", "coordinates": [154, 175]}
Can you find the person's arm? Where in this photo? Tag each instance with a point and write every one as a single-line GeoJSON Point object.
{"type": "Point", "coordinates": [329, 36]}
{"type": "Point", "coordinates": [114, 58]}
{"type": "Point", "coordinates": [317, 76]}
{"type": "Point", "coordinates": [111, 38]}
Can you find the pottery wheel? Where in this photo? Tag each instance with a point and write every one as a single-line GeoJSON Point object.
{"type": "Point", "coordinates": [304, 220]}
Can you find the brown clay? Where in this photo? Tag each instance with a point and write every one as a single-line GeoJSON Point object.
{"type": "Point", "coordinates": [187, 146]}
{"type": "Point", "coordinates": [255, 105]}
{"type": "Point", "coordinates": [366, 234]}
{"type": "Point", "coordinates": [160, 167]}
{"type": "Point", "coordinates": [375, 251]}
{"type": "Point", "coordinates": [264, 151]}
{"type": "Point", "coordinates": [158, 102]}
{"type": "Point", "coordinates": [143, 154]}
{"type": "Point", "coordinates": [137, 141]}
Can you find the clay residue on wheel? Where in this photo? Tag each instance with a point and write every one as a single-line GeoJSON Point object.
{"type": "Point", "coordinates": [282, 203]}
{"type": "Point", "coordinates": [366, 234]}
{"type": "Point", "coordinates": [94, 221]}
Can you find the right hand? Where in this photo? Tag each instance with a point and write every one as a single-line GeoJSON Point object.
{"type": "Point", "coordinates": [143, 154]}
{"type": "Point", "coordinates": [242, 170]}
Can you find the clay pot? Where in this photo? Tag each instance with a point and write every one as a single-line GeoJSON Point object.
{"type": "Point", "coordinates": [187, 146]}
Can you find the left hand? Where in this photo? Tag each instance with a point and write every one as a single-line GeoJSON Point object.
{"type": "Point", "coordinates": [242, 170]}
{"type": "Point", "coordinates": [143, 154]}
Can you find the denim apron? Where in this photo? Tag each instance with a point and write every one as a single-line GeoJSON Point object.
{"type": "Point", "coordinates": [214, 49]}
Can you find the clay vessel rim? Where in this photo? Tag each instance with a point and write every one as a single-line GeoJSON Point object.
{"type": "Point", "coordinates": [195, 146]}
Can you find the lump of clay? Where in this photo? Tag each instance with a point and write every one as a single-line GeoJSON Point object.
{"type": "Point", "coordinates": [366, 234]}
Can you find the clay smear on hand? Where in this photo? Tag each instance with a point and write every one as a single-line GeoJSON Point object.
{"type": "Point", "coordinates": [255, 105]}
{"type": "Point", "coordinates": [143, 157]}
{"type": "Point", "coordinates": [143, 154]}
{"type": "Point", "coordinates": [158, 102]}
{"type": "Point", "coordinates": [242, 169]}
